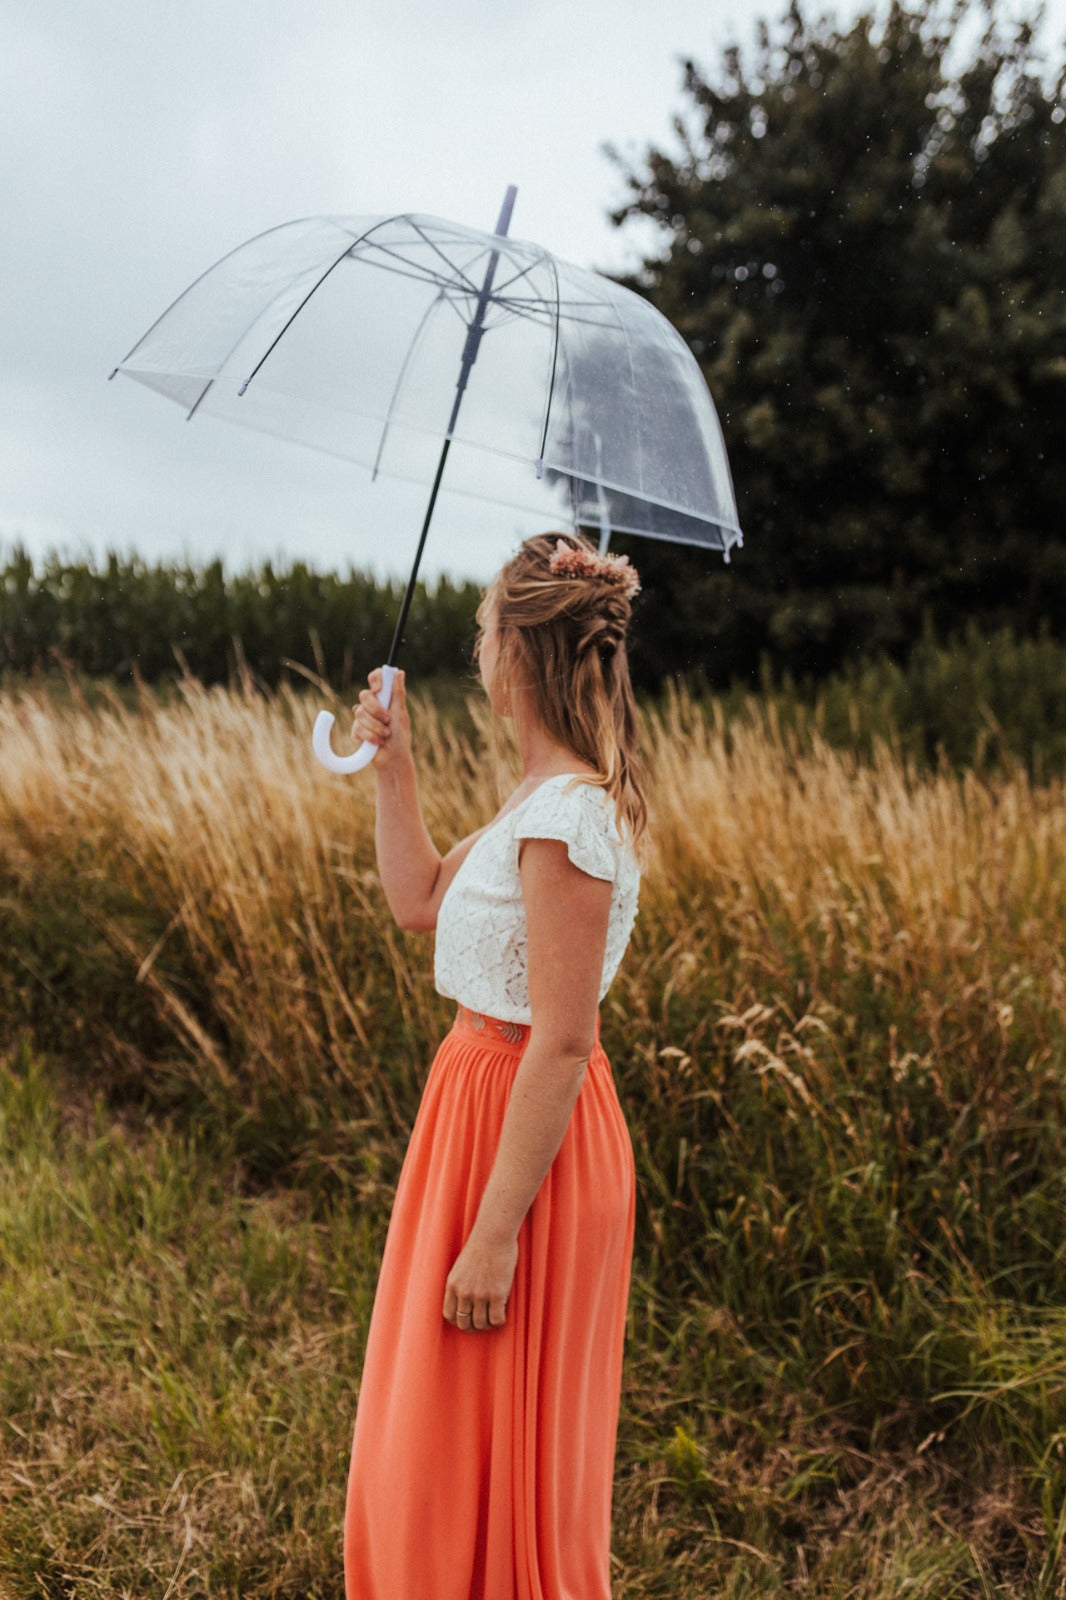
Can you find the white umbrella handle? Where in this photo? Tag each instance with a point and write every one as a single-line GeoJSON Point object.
{"type": "Point", "coordinates": [366, 752]}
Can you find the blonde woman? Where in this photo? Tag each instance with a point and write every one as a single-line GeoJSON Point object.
{"type": "Point", "coordinates": [483, 1455]}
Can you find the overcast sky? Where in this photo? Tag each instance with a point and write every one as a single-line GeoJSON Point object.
{"type": "Point", "coordinates": [140, 141]}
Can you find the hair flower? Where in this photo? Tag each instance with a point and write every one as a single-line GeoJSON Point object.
{"type": "Point", "coordinates": [573, 561]}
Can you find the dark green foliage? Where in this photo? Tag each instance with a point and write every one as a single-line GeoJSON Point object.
{"type": "Point", "coordinates": [864, 247]}
{"type": "Point", "coordinates": [128, 619]}
{"type": "Point", "coordinates": [978, 702]}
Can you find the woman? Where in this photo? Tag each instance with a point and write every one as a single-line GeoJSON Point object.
{"type": "Point", "coordinates": [483, 1455]}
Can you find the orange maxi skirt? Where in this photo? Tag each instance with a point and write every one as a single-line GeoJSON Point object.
{"type": "Point", "coordinates": [482, 1463]}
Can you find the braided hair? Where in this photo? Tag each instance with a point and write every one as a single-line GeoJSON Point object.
{"type": "Point", "coordinates": [562, 614]}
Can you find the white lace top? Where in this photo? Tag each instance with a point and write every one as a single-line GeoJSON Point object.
{"type": "Point", "coordinates": [481, 949]}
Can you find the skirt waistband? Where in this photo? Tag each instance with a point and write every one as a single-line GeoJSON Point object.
{"type": "Point", "coordinates": [511, 1035]}
{"type": "Point", "coordinates": [475, 1025]}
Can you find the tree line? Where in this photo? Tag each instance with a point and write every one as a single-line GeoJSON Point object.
{"type": "Point", "coordinates": [863, 242]}
{"type": "Point", "coordinates": [125, 618]}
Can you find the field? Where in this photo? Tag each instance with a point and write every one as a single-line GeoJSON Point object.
{"type": "Point", "coordinates": [839, 1037]}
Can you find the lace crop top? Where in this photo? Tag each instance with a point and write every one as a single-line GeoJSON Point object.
{"type": "Point", "coordinates": [481, 947]}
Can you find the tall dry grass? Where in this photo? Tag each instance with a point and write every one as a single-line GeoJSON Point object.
{"type": "Point", "coordinates": [838, 1035]}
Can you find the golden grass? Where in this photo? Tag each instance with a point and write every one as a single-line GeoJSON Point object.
{"type": "Point", "coordinates": [773, 852]}
{"type": "Point", "coordinates": [839, 1040]}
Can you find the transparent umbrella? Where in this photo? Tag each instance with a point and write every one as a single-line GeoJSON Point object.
{"type": "Point", "coordinates": [412, 345]}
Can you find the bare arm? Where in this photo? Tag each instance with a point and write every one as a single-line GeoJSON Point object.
{"type": "Point", "coordinates": [413, 873]}
{"type": "Point", "coordinates": [566, 920]}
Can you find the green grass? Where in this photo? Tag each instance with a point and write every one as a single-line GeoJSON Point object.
{"type": "Point", "coordinates": [179, 1359]}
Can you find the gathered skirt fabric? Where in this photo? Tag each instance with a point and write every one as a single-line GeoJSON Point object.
{"type": "Point", "coordinates": [482, 1462]}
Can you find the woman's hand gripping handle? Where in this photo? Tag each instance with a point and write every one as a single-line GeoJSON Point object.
{"type": "Point", "coordinates": [372, 722]}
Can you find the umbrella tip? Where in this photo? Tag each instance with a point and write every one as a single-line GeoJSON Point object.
{"type": "Point", "coordinates": [508, 206]}
{"type": "Point", "coordinates": [111, 374]}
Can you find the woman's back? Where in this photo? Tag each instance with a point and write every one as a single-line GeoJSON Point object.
{"type": "Point", "coordinates": [481, 949]}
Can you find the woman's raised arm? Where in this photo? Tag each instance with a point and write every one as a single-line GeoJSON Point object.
{"type": "Point", "coordinates": [413, 873]}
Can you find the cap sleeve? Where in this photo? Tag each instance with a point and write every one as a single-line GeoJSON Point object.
{"type": "Point", "coordinates": [578, 815]}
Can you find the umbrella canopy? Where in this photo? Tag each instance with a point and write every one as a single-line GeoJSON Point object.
{"type": "Point", "coordinates": [408, 343]}
{"type": "Point", "coordinates": [347, 334]}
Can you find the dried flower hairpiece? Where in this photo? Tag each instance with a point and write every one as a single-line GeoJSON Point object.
{"type": "Point", "coordinates": [571, 561]}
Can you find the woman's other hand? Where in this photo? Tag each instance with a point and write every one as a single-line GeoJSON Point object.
{"type": "Point", "coordinates": [389, 729]}
{"type": "Point", "coordinates": [475, 1295]}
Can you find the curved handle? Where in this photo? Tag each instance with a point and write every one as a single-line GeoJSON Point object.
{"type": "Point", "coordinates": [320, 741]}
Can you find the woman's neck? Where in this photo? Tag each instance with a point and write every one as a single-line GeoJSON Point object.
{"type": "Point", "coordinates": [541, 755]}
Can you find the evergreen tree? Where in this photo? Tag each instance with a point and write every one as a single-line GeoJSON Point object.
{"type": "Point", "coordinates": [865, 249]}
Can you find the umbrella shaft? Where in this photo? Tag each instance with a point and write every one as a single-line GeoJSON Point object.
{"type": "Point", "coordinates": [477, 326]}
{"type": "Point", "coordinates": [470, 350]}
{"type": "Point", "coordinates": [473, 338]}
{"type": "Point", "coordinates": [397, 638]}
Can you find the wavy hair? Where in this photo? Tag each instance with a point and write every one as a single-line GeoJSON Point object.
{"type": "Point", "coordinates": [563, 639]}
